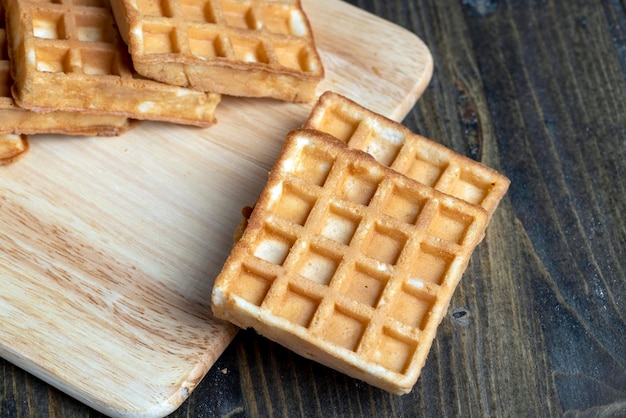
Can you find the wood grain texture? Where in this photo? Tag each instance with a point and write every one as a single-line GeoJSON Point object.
{"type": "Point", "coordinates": [110, 245]}
{"type": "Point", "coordinates": [537, 327]}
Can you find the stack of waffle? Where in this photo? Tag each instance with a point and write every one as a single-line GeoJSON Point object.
{"type": "Point", "coordinates": [65, 68]}
{"type": "Point", "coordinates": [355, 246]}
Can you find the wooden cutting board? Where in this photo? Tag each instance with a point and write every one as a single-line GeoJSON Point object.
{"type": "Point", "coordinates": [110, 245]}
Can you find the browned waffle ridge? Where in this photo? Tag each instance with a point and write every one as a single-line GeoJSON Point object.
{"type": "Point", "coordinates": [67, 55]}
{"type": "Point", "coordinates": [253, 48]}
{"type": "Point", "coordinates": [395, 146]}
{"type": "Point", "coordinates": [348, 262]}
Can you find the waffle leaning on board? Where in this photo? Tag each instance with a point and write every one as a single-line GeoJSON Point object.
{"type": "Point", "coordinates": [347, 258]}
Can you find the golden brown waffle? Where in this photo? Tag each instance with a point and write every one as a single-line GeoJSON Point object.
{"type": "Point", "coordinates": [16, 120]}
{"type": "Point", "coordinates": [253, 48]}
{"type": "Point", "coordinates": [67, 55]}
{"type": "Point", "coordinates": [12, 147]}
{"type": "Point", "coordinates": [348, 262]}
{"type": "Point", "coordinates": [395, 146]}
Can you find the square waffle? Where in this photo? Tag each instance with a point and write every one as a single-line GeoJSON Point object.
{"type": "Point", "coordinates": [348, 262]}
{"type": "Point", "coordinates": [67, 55]}
{"type": "Point", "coordinates": [16, 120]}
{"type": "Point", "coordinates": [395, 146]}
{"type": "Point", "coordinates": [253, 48]}
{"type": "Point", "coordinates": [12, 147]}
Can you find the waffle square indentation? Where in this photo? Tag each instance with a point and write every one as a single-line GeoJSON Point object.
{"type": "Point", "coordinates": [197, 11]}
{"type": "Point", "coordinates": [159, 39]}
{"type": "Point", "coordinates": [394, 352]}
{"type": "Point", "coordinates": [365, 285]}
{"type": "Point", "coordinates": [469, 188]}
{"type": "Point", "coordinates": [338, 124]}
{"type": "Point", "coordinates": [49, 26]}
{"type": "Point", "coordinates": [450, 225]}
{"type": "Point", "coordinates": [359, 186]}
{"type": "Point", "coordinates": [238, 15]}
{"type": "Point", "coordinates": [384, 144]}
{"type": "Point", "coordinates": [94, 28]}
{"type": "Point", "coordinates": [430, 266]}
{"type": "Point", "coordinates": [339, 225]}
{"type": "Point", "coordinates": [252, 285]}
{"type": "Point", "coordinates": [403, 205]}
{"type": "Point", "coordinates": [249, 50]}
{"type": "Point", "coordinates": [53, 60]}
{"type": "Point", "coordinates": [205, 44]}
{"type": "Point", "coordinates": [319, 265]}
{"type": "Point", "coordinates": [384, 244]}
{"type": "Point", "coordinates": [413, 307]}
{"type": "Point", "coordinates": [297, 307]}
{"type": "Point", "coordinates": [292, 56]}
{"type": "Point", "coordinates": [276, 18]}
{"type": "Point", "coordinates": [314, 166]}
{"type": "Point", "coordinates": [294, 205]}
{"type": "Point", "coordinates": [97, 62]}
{"type": "Point", "coordinates": [424, 171]}
{"type": "Point", "coordinates": [273, 246]}
{"type": "Point", "coordinates": [344, 329]}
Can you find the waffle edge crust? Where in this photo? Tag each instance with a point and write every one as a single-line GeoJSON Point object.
{"type": "Point", "coordinates": [348, 262]}
{"type": "Point", "coordinates": [254, 48]}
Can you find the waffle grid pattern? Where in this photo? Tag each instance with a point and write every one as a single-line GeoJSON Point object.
{"type": "Point", "coordinates": [395, 146]}
{"type": "Point", "coordinates": [273, 34]}
{"type": "Point", "coordinates": [353, 255]}
{"type": "Point", "coordinates": [75, 36]}
{"type": "Point", "coordinates": [71, 50]}
{"type": "Point", "coordinates": [17, 120]}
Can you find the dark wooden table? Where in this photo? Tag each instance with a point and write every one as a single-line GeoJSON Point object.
{"type": "Point", "coordinates": [537, 327]}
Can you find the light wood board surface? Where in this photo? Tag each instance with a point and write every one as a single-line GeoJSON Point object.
{"type": "Point", "coordinates": [110, 245]}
